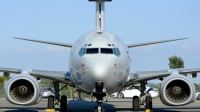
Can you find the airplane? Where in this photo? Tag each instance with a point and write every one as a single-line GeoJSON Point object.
{"type": "Point", "coordinates": [99, 65]}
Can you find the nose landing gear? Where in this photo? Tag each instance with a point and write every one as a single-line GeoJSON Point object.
{"type": "Point", "coordinates": [99, 92]}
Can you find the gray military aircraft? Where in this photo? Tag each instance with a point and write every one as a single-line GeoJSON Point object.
{"type": "Point", "coordinates": [99, 64]}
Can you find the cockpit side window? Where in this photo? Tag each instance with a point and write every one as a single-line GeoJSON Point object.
{"type": "Point", "coordinates": [106, 50]}
{"type": "Point", "coordinates": [116, 51]}
{"type": "Point", "coordinates": [92, 50]}
{"type": "Point", "coordinates": [82, 51]}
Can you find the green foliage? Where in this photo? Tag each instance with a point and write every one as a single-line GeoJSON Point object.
{"type": "Point", "coordinates": [1, 89]}
{"type": "Point", "coordinates": [176, 62]}
{"type": "Point", "coordinates": [154, 85]}
{"type": "Point", "coordinates": [46, 83]}
{"type": "Point", "coordinates": [197, 86]}
{"type": "Point", "coordinates": [2, 79]}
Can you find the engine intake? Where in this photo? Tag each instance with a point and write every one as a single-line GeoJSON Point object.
{"type": "Point", "coordinates": [22, 90]}
{"type": "Point", "coordinates": [176, 90]}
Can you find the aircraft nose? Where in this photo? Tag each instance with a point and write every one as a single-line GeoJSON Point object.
{"type": "Point", "coordinates": [100, 68]}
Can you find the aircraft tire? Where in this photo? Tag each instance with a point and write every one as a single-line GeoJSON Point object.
{"type": "Point", "coordinates": [63, 103]}
{"type": "Point", "coordinates": [102, 109]}
{"type": "Point", "coordinates": [95, 109]}
{"type": "Point", "coordinates": [135, 103]}
{"type": "Point", "coordinates": [50, 102]}
{"type": "Point", "coordinates": [148, 102]}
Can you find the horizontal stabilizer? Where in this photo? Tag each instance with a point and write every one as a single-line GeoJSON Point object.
{"type": "Point", "coordinates": [46, 42]}
{"type": "Point", "coordinates": [156, 42]}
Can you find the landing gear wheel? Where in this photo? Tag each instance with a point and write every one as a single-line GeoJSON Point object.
{"type": "Point", "coordinates": [50, 104]}
{"type": "Point", "coordinates": [120, 95]}
{"type": "Point", "coordinates": [63, 103]}
{"type": "Point", "coordinates": [149, 102]}
{"type": "Point", "coordinates": [102, 109]}
{"type": "Point", "coordinates": [135, 103]}
{"type": "Point", "coordinates": [96, 109]}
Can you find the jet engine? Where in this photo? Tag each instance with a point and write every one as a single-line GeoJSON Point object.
{"type": "Point", "coordinates": [23, 90]}
{"type": "Point", "coordinates": [177, 90]}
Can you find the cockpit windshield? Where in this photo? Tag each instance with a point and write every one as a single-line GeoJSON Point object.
{"type": "Point", "coordinates": [92, 50]}
{"type": "Point", "coordinates": [82, 51]}
{"type": "Point", "coordinates": [114, 51]}
{"type": "Point", "coordinates": [106, 50]}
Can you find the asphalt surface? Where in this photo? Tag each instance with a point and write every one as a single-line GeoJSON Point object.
{"type": "Point", "coordinates": [113, 105]}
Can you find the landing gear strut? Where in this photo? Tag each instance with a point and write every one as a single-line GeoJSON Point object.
{"type": "Point", "coordinates": [62, 101]}
{"type": "Point", "coordinates": [99, 92]}
{"type": "Point", "coordinates": [145, 99]}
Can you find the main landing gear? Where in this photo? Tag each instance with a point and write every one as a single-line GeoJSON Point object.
{"type": "Point", "coordinates": [62, 101]}
{"type": "Point", "coordinates": [144, 99]}
{"type": "Point", "coordinates": [99, 92]}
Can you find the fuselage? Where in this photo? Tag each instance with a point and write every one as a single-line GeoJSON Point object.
{"type": "Point", "coordinates": [99, 56]}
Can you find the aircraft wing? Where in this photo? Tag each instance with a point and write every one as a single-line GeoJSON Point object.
{"type": "Point", "coordinates": [156, 42]}
{"type": "Point", "coordinates": [60, 76]}
{"type": "Point", "coordinates": [46, 42]}
{"type": "Point", "coordinates": [10, 70]}
{"type": "Point", "coordinates": [137, 77]}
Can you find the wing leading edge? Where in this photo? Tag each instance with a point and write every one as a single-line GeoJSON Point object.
{"type": "Point", "coordinates": [137, 77]}
{"type": "Point", "coordinates": [60, 76]}
{"type": "Point", "coordinates": [156, 42]}
{"type": "Point", "coordinates": [46, 42]}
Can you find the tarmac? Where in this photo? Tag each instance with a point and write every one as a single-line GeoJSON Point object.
{"type": "Point", "coordinates": [113, 105]}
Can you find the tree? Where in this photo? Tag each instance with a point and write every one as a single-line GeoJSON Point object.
{"type": "Point", "coordinates": [175, 62]}
{"type": "Point", "coordinates": [2, 79]}
{"type": "Point", "coordinates": [46, 83]}
{"type": "Point", "coordinates": [197, 86]}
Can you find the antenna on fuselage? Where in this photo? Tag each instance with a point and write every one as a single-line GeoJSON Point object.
{"type": "Point", "coordinates": [100, 10]}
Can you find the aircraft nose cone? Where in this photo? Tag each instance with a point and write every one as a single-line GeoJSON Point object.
{"type": "Point", "coordinates": [99, 69]}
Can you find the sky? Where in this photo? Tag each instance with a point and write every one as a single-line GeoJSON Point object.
{"type": "Point", "coordinates": [135, 21]}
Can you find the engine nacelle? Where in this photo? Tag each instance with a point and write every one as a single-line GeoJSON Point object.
{"type": "Point", "coordinates": [177, 90]}
{"type": "Point", "coordinates": [23, 90]}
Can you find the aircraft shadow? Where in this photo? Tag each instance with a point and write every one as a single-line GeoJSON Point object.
{"type": "Point", "coordinates": [24, 109]}
{"type": "Point", "coordinates": [88, 106]}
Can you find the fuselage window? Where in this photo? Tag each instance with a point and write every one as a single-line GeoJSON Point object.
{"type": "Point", "coordinates": [106, 50]}
{"type": "Point", "coordinates": [82, 51]}
{"type": "Point", "coordinates": [92, 50]}
{"type": "Point", "coordinates": [116, 51]}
